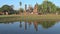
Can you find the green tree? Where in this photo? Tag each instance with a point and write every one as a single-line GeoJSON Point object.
{"type": "Point", "coordinates": [1, 10]}
{"type": "Point", "coordinates": [47, 7]}
{"type": "Point", "coordinates": [58, 10]}
{"type": "Point", "coordinates": [21, 10]}
{"type": "Point", "coordinates": [20, 3]}
{"type": "Point", "coordinates": [47, 24]}
{"type": "Point", "coordinates": [7, 8]}
{"type": "Point", "coordinates": [25, 6]}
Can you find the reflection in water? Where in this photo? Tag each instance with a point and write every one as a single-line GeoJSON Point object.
{"type": "Point", "coordinates": [35, 25]}
{"type": "Point", "coordinates": [7, 22]}
{"type": "Point", "coordinates": [25, 25]}
{"type": "Point", "coordinates": [20, 24]}
{"type": "Point", "coordinates": [45, 24]}
{"type": "Point", "coordinates": [30, 27]}
{"type": "Point", "coordinates": [29, 23]}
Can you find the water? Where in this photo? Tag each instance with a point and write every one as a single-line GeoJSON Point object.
{"type": "Point", "coordinates": [30, 27]}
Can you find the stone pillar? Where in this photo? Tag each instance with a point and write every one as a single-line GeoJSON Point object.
{"type": "Point", "coordinates": [35, 10]}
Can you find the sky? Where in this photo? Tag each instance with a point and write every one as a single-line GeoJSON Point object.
{"type": "Point", "coordinates": [16, 4]}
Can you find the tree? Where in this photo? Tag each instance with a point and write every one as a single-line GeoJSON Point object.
{"type": "Point", "coordinates": [20, 4]}
{"type": "Point", "coordinates": [40, 9]}
{"type": "Point", "coordinates": [11, 6]}
{"type": "Point", "coordinates": [58, 10]}
{"type": "Point", "coordinates": [21, 10]}
{"type": "Point", "coordinates": [25, 6]}
{"type": "Point", "coordinates": [47, 24]}
{"type": "Point", "coordinates": [7, 8]}
{"type": "Point", "coordinates": [47, 7]}
{"type": "Point", "coordinates": [1, 10]}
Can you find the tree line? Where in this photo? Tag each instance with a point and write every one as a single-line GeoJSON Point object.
{"type": "Point", "coordinates": [44, 8]}
{"type": "Point", "coordinates": [9, 9]}
{"type": "Point", "coordinates": [48, 7]}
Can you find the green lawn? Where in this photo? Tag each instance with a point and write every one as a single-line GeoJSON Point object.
{"type": "Point", "coordinates": [28, 17]}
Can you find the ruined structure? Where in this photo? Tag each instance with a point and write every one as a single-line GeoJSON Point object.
{"type": "Point", "coordinates": [31, 10]}
{"type": "Point", "coordinates": [35, 9]}
{"type": "Point", "coordinates": [3, 13]}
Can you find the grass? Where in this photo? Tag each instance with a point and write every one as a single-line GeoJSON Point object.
{"type": "Point", "coordinates": [4, 18]}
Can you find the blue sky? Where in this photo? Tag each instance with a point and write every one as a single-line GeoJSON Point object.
{"type": "Point", "coordinates": [28, 2]}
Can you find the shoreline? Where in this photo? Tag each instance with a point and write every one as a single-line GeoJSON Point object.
{"type": "Point", "coordinates": [4, 18]}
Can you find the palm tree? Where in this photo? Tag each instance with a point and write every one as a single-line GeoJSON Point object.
{"type": "Point", "coordinates": [25, 6]}
{"type": "Point", "coordinates": [20, 6]}
{"type": "Point", "coordinates": [20, 3]}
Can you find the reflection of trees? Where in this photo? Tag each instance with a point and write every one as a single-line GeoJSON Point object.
{"type": "Point", "coordinates": [7, 22]}
{"type": "Point", "coordinates": [47, 24]}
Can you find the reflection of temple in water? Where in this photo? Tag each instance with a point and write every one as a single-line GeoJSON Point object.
{"type": "Point", "coordinates": [28, 24]}
{"type": "Point", "coordinates": [36, 25]}
{"type": "Point", "coordinates": [45, 24]}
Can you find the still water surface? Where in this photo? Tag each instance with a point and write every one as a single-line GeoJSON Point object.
{"type": "Point", "coordinates": [30, 27]}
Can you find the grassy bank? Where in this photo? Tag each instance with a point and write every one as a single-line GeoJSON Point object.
{"type": "Point", "coordinates": [28, 17]}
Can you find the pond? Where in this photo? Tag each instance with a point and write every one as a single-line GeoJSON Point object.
{"type": "Point", "coordinates": [30, 27]}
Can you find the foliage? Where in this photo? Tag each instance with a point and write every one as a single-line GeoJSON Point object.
{"type": "Point", "coordinates": [21, 10]}
{"type": "Point", "coordinates": [25, 6]}
{"type": "Point", "coordinates": [7, 8]}
{"type": "Point", "coordinates": [47, 24]}
{"type": "Point", "coordinates": [1, 10]}
{"type": "Point", "coordinates": [20, 3]}
{"type": "Point", "coordinates": [47, 7]}
{"type": "Point", "coordinates": [58, 9]}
